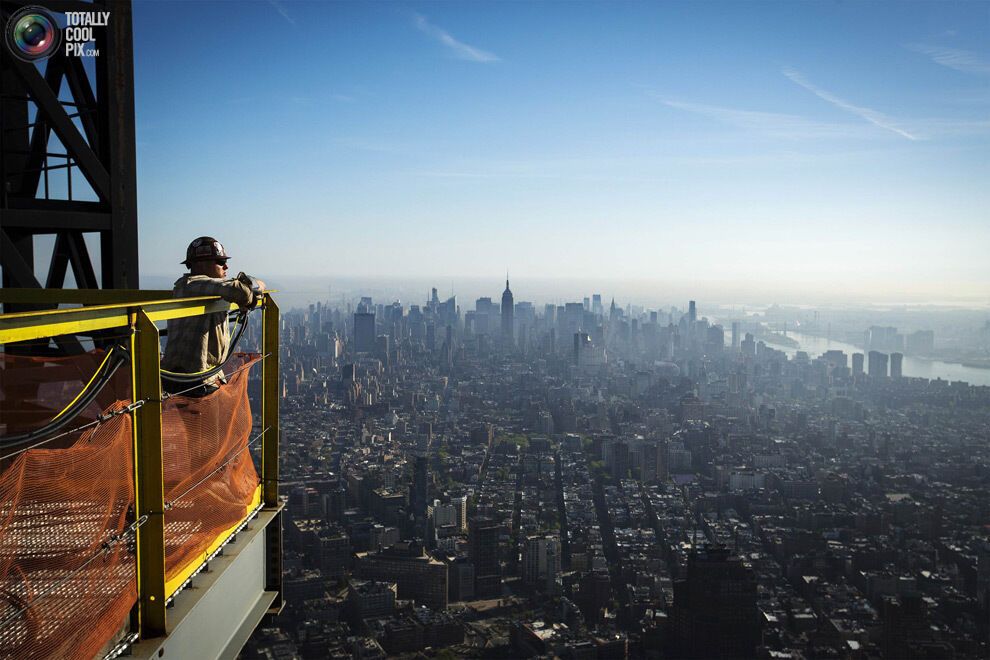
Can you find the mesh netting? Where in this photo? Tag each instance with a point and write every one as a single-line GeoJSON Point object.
{"type": "Point", "coordinates": [33, 390]}
{"type": "Point", "coordinates": [67, 564]}
{"type": "Point", "coordinates": [64, 592]}
{"type": "Point", "coordinates": [210, 479]}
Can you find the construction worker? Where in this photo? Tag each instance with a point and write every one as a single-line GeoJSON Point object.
{"type": "Point", "coordinates": [197, 344]}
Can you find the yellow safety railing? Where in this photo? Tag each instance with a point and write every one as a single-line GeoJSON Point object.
{"type": "Point", "coordinates": [139, 311]}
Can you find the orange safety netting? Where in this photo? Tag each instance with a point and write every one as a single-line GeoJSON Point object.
{"type": "Point", "coordinates": [67, 564]}
{"type": "Point", "coordinates": [210, 479]}
{"type": "Point", "coordinates": [67, 573]}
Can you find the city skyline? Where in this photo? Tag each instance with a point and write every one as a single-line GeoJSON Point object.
{"type": "Point", "coordinates": [798, 148]}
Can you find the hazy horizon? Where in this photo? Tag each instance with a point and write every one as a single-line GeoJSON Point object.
{"type": "Point", "coordinates": [299, 291]}
{"type": "Point", "coordinates": [802, 152]}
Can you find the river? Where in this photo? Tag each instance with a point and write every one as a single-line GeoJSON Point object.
{"type": "Point", "coordinates": [912, 366]}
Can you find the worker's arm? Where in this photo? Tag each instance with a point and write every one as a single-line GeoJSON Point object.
{"type": "Point", "coordinates": [236, 290]}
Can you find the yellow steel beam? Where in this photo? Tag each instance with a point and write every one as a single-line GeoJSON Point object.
{"type": "Point", "coordinates": [269, 401]}
{"type": "Point", "coordinates": [25, 326]}
{"type": "Point", "coordinates": [81, 296]}
{"type": "Point", "coordinates": [149, 489]}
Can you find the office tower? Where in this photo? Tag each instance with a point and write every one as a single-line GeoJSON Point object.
{"type": "Point", "coordinates": [715, 614]}
{"type": "Point", "coordinates": [735, 334]}
{"type": "Point", "coordinates": [483, 549]}
{"type": "Point", "coordinates": [381, 349]}
{"type": "Point", "coordinates": [748, 345]}
{"type": "Point", "coordinates": [896, 364]}
{"type": "Point", "coordinates": [364, 332]}
{"type": "Point", "coordinates": [507, 311]}
{"type": "Point", "coordinates": [420, 483]}
{"type": "Point", "coordinates": [878, 364]}
{"type": "Point", "coordinates": [649, 463]}
{"type": "Point", "coordinates": [587, 304]}
{"type": "Point", "coordinates": [692, 311]}
{"type": "Point", "coordinates": [858, 364]}
{"type": "Point", "coordinates": [883, 339]}
{"type": "Point", "coordinates": [921, 342]}
{"type": "Point", "coordinates": [418, 576]}
{"type": "Point", "coordinates": [714, 339]}
{"type": "Point", "coordinates": [596, 305]}
{"type": "Point", "coordinates": [541, 561]}
{"type": "Point", "coordinates": [580, 339]}
{"type": "Point", "coordinates": [482, 313]}
{"type": "Point", "coordinates": [837, 359]}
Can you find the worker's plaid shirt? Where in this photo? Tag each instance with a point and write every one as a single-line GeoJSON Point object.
{"type": "Point", "coordinates": [198, 343]}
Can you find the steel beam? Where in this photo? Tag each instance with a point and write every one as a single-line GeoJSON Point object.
{"type": "Point", "coordinates": [149, 488]}
{"type": "Point", "coordinates": [26, 326]}
{"type": "Point", "coordinates": [269, 402]}
{"type": "Point", "coordinates": [97, 132]}
{"type": "Point", "coordinates": [83, 296]}
{"type": "Point", "coordinates": [270, 396]}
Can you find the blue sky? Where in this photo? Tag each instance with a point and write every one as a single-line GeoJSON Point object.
{"type": "Point", "coordinates": [795, 146]}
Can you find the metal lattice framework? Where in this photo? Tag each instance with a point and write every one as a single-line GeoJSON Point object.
{"type": "Point", "coordinates": [67, 159]}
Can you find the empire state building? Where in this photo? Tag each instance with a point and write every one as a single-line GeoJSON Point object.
{"type": "Point", "coordinates": [507, 310]}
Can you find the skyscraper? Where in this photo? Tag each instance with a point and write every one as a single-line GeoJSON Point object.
{"type": "Point", "coordinates": [896, 365]}
{"type": "Point", "coordinates": [507, 312]}
{"type": "Point", "coordinates": [715, 613]}
{"type": "Point", "coordinates": [878, 364]}
{"type": "Point", "coordinates": [692, 311]}
{"type": "Point", "coordinates": [364, 332]}
{"type": "Point", "coordinates": [857, 364]}
{"type": "Point", "coordinates": [483, 550]}
{"type": "Point", "coordinates": [541, 561]}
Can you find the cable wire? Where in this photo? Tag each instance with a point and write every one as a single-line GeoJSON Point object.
{"type": "Point", "coordinates": [234, 453]}
{"type": "Point", "coordinates": [200, 376]}
{"type": "Point", "coordinates": [105, 417]}
{"type": "Point", "coordinates": [169, 395]}
{"type": "Point", "coordinates": [114, 360]}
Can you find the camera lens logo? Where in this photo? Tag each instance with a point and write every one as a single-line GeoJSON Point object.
{"type": "Point", "coordinates": [32, 34]}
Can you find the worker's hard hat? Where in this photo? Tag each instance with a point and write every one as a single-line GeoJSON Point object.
{"type": "Point", "coordinates": [205, 248]}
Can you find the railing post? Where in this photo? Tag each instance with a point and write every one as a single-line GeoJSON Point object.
{"type": "Point", "coordinates": [269, 402]}
{"type": "Point", "coordinates": [149, 495]}
{"type": "Point", "coordinates": [270, 395]}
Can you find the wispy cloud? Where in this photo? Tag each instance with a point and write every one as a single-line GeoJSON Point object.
{"type": "Point", "coordinates": [460, 49]}
{"type": "Point", "coordinates": [281, 9]}
{"type": "Point", "coordinates": [953, 58]}
{"type": "Point", "coordinates": [873, 116]}
{"type": "Point", "coordinates": [773, 124]}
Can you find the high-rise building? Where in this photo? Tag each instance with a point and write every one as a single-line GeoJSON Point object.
{"type": "Point", "coordinates": [692, 311]}
{"type": "Point", "coordinates": [748, 345]}
{"type": "Point", "coordinates": [483, 549]}
{"type": "Point", "coordinates": [541, 561]}
{"type": "Point", "coordinates": [896, 365]}
{"type": "Point", "coordinates": [596, 305]}
{"type": "Point", "coordinates": [735, 334]}
{"type": "Point", "coordinates": [878, 364]}
{"type": "Point", "coordinates": [420, 483]}
{"type": "Point", "coordinates": [364, 332]}
{"type": "Point", "coordinates": [418, 576]}
{"type": "Point", "coordinates": [507, 310]}
{"type": "Point", "coordinates": [715, 614]}
{"type": "Point", "coordinates": [858, 360]}
{"type": "Point", "coordinates": [921, 342]}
